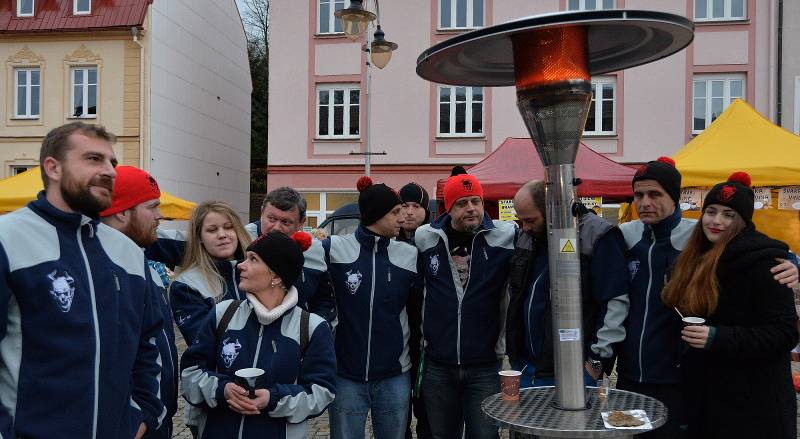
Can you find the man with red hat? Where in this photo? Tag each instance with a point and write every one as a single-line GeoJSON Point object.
{"type": "Point", "coordinates": [649, 359]}
{"type": "Point", "coordinates": [135, 212]}
{"type": "Point", "coordinates": [464, 258]}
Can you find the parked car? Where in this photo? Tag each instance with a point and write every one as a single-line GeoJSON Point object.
{"type": "Point", "coordinates": [345, 219]}
{"type": "Point", "coordinates": [342, 221]}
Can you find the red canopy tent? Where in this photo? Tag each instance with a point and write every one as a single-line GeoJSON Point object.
{"type": "Point", "coordinates": [516, 162]}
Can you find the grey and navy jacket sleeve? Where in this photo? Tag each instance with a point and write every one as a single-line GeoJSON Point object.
{"type": "Point", "coordinates": [315, 293]}
{"type": "Point", "coordinates": [169, 247]}
{"type": "Point", "coordinates": [202, 385]}
{"type": "Point", "coordinates": [6, 397]}
{"type": "Point", "coordinates": [189, 308]}
{"type": "Point", "coordinates": [610, 286]}
{"type": "Point", "coordinates": [315, 387]}
{"type": "Point", "coordinates": [146, 378]}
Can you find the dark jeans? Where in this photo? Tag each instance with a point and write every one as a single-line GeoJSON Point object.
{"type": "Point", "coordinates": [453, 396]}
{"type": "Point", "coordinates": [672, 397]}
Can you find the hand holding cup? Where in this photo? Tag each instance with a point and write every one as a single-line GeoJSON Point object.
{"type": "Point", "coordinates": [695, 332]}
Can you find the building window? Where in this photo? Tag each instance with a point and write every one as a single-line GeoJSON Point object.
{"type": "Point", "coordinates": [327, 23]}
{"type": "Point", "coordinates": [321, 204]}
{"type": "Point", "coordinates": [590, 5]}
{"type": "Point", "coordinates": [719, 10]}
{"type": "Point", "coordinates": [601, 118]}
{"type": "Point", "coordinates": [84, 92]}
{"type": "Point", "coordinates": [338, 111]}
{"type": "Point", "coordinates": [460, 14]}
{"type": "Point", "coordinates": [712, 95]}
{"type": "Point", "coordinates": [27, 93]}
{"type": "Point", "coordinates": [82, 7]}
{"type": "Point", "coordinates": [460, 111]}
{"type": "Point", "coordinates": [19, 169]}
{"type": "Point", "coordinates": [25, 8]}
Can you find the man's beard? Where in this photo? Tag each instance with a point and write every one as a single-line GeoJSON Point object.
{"type": "Point", "coordinates": [142, 235]}
{"type": "Point", "coordinates": [80, 199]}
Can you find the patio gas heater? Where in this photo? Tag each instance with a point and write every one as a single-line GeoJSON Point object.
{"type": "Point", "coordinates": [550, 59]}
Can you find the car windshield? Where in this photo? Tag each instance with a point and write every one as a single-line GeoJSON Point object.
{"type": "Point", "coordinates": [341, 226]}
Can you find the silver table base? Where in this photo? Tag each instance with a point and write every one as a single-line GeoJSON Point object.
{"type": "Point", "coordinates": [536, 415]}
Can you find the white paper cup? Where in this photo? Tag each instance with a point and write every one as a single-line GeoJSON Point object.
{"type": "Point", "coordinates": [693, 321]}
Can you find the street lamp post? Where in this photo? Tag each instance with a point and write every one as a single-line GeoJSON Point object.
{"type": "Point", "coordinates": [355, 20]}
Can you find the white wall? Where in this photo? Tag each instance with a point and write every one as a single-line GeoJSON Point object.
{"type": "Point", "coordinates": [200, 101]}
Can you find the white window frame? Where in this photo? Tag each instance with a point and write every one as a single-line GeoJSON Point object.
{"type": "Point", "coordinates": [470, 15]}
{"type": "Point", "coordinates": [14, 167]}
{"type": "Point", "coordinates": [76, 11]}
{"type": "Point", "coordinates": [597, 82]}
{"type": "Point", "coordinates": [26, 114]}
{"type": "Point", "coordinates": [582, 5]}
{"type": "Point", "coordinates": [726, 14]}
{"type": "Point", "coordinates": [85, 95]}
{"type": "Point", "coordinates": [330, 18]}
{"type": "Point", "coordinates": [726, 93]}
{"type": "Point", "coordinates": [330, 88]}
{"type": "Point", "coordinates": [322, 214]}
{"type": "Point", "coordinates": [22, 14]}
{"type": "Point", "coordinates": [468, 128]}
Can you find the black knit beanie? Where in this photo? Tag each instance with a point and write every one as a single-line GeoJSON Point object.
{"type": "Point", "coordinates": [375, 200]}
{"type": "Point", "coordinates": [282, 254]}
{"type": "Point", "coordinates": [734, 193]}
{"type": "Point", "coordinates": [412, 192]}
{"type": "Point", "coordinates": [664, 172]}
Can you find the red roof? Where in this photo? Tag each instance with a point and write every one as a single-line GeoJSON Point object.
{"type": "Point", "coordinates": [56, 15]}
{"type": "Point", "coordinates": [515, 162]}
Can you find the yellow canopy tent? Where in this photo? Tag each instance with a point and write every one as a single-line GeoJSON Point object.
{"type": "Point", "coordinates": [17, 191]}
{"type": "Point", "coordinates": [741, 139]}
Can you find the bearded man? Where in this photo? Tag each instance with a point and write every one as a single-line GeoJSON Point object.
{"type": "Point", "coordinates": [77, 314]}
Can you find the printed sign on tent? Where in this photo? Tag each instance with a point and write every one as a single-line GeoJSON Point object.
{"type": "Point", "coordinates": [507, 212]}
{"type": "Point", "coordinates": [593, 203]}
{"type": "Point", "coordinates": [762, 198]}
{"type": "Point", "coordinates": [691, 198]}
{"type": "Point", "coordinates": [789, 198]}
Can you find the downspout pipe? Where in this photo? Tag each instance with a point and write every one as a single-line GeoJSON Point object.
{"type": "Point", "coordinates": [135, 31]}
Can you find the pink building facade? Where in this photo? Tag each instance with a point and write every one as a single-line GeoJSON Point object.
{"type": "Point", "coordinates": [319, 119]}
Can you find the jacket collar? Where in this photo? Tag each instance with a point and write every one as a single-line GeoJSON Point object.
{"type": "Point", "coordinates": [664, 227]}
{"type": "Point", "coordinates": [367, 238]}
{"type": "Point", "coordinates": [57, 216]}
{"type": "Point", "coordinates": [445, 219]}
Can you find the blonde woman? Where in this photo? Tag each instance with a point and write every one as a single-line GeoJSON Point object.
{"type": "Point", "coordinates": [208, 273]}
{"type": "Point", "coordinates": [736, 368]}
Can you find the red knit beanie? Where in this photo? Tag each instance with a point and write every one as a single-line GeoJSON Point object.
{"type": "Point", "coordinates": [460, 185]}
{"type": "Point", "coordinates": [131, 187]}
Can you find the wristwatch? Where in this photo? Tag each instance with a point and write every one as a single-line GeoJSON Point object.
{"type": "Point", "coordinates": [596, 365]}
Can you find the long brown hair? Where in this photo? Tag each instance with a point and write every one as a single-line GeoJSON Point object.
{"type": "Point", "coordinates": [693, 288]}
{"type": "Point", "coordinates": [197, 256]}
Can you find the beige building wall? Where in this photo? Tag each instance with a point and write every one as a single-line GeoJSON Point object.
{"type": "Point", "coordinates": [117, 59]}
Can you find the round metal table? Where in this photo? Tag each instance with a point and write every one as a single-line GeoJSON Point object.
{"type": "Point", "coordinates": [536, 415]}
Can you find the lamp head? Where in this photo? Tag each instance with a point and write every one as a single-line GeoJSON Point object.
{"type": "Point", "coordinates": [355, 19]}
{"type": "Point", "coordinates": [381, 49]}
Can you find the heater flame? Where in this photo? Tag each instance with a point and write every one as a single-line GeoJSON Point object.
{"type": "Point", "coordinates": [549, 56]}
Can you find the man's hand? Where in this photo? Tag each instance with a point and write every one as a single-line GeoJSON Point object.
{"type": "Point", "coordinates": [142, 431]}
{"type": "Point", "coordinates": [239, 401]}
{"type": "Point", "coordinates": [696, 336]}
{"type": "Point", "coordinates": [785, 273]}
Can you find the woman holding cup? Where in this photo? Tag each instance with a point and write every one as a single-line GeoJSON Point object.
{"type": "Point", "coordinates": [740, 324]}
{"type": "Point", "coordinates": [260, 367]}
